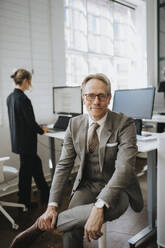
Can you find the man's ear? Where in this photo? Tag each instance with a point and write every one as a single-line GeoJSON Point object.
{"type": "Point", "coordinates": [109, 99]}
{"type": "Point", "coordinates": [83, 99]}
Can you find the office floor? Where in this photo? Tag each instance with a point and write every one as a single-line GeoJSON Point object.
{"type": "Point", "coordinates": [118, 231]}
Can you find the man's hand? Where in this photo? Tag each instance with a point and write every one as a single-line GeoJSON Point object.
{"type": "Point", "coordinates": [47, 221]}
{"type": "Point", "coordinates": [45, 129]}
{"type": "Point", "coordinates": [94, 223]}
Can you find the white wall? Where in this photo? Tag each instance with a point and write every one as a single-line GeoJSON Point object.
{"type": "Point", "coordinates": [32, 38]}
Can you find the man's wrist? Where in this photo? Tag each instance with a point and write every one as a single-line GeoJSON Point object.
{"type": "Point", "coordinates": [55, 204]}
{"type": "Point", "coordinates": [52, 208]}
{"type": "Point", "coordinates": [99, 204]}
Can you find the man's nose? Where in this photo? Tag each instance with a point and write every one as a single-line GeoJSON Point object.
{"type": "Point", "coordinates": [96, 101]}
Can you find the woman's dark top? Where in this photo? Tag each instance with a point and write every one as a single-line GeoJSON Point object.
{"type": "Point", "coordinates": [23, 126]}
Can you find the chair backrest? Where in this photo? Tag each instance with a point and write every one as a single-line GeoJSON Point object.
{"type": "Point", "coordinates": [2, 160]}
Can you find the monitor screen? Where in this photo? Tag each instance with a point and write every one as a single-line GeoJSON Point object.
{"type": "Point", "coordinates": [67, 99]}
{"type": "Point", "coordinates": [135, 103]}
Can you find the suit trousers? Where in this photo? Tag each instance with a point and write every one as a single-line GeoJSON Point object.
{"type": "Point", "coordinates": [72, 221]}
{"type": "Point", "coordinates": [30, 166]}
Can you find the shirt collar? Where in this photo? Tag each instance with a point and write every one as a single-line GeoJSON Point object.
{"type": "Point", "coordinates": [100, 122]}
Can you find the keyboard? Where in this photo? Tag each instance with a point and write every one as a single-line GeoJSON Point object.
{"type": "Point", "coordinates": [144, 138]}
{"type": "Point", "coordinates": [52, 130]}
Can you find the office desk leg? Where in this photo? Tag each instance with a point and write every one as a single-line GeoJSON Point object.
{"type": "Point", "coordinates": [150, 230]}
{"type": "Point", "coordinates": [152, 187]}
{"type": "Point", "coordinates": [52, 156]}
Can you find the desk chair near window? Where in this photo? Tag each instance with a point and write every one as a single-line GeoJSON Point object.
{"type": "Point", "coordinates": [7, 174]}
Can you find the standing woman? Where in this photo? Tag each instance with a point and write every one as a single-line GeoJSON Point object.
{"type": "Point", "coordinates": [24, 130]}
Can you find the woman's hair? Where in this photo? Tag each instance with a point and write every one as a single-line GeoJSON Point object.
{"type": "Point", "coordinates": [21, 74]}
{"type": "Point", "coordinates": [99, 76]}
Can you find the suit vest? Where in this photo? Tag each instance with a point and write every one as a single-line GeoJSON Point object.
{"type": "Point", "coordinates": [92, 175]}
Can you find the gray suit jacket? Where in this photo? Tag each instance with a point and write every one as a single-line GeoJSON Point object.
{"type": "Point", "coordinates": [117, 156]}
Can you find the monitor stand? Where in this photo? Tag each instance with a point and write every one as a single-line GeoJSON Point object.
{"type": "Point", "coordinates": [138, 124]}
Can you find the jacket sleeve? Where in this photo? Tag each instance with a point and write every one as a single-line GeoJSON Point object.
{"type": "Point", "coordinates": [63, 168]}
{"type": "Point", "coordinates": [27, 112]}
{"type": "Point", "coordinates": [124, 174]}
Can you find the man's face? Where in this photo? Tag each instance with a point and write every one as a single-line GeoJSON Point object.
{"type": "Point", "coordinates": [96, 105]}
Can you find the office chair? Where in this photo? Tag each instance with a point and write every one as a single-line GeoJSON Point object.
{"type": "Point", "coordinates": [7, 174]}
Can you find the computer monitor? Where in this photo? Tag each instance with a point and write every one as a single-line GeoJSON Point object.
{"type": "Point", "coordinates": [135, 103]}
{"type": "Point", "coordinates": [67, 100]}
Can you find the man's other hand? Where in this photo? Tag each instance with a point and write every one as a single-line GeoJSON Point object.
{"type": "Point", "coordinates": [45, 129]}
{"type": "Point", "coordinates": [94, 223]}
{"type": "Point", "coordinates": [47, 220]}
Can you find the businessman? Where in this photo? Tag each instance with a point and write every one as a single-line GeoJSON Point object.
{"type": "Point", "coordinates": [106, 184]}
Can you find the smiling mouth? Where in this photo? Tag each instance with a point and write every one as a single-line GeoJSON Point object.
{"type": "Point", "coordinates": [96, 108]}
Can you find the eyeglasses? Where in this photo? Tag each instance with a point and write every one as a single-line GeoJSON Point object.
{"type": "Point", "coordinates": [92, 97]}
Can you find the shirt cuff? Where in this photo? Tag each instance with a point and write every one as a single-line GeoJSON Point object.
{"type": "Point", "coordinates": [54, 204]}
{"type": "Point", "coordinates": [105, 203]}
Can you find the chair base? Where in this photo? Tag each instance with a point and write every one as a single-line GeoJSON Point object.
{"type": "Point", "coordinates": [4, 212]}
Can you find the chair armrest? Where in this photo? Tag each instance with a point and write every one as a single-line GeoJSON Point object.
{"type": "Point", "coordinates": [4, 159]}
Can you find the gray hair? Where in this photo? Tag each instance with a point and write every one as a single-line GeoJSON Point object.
{"type": "Point", "coordinates": [99, 76]}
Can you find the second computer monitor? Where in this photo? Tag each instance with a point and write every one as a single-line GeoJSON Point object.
{"type": "Point", "coordinates": [135, 103]}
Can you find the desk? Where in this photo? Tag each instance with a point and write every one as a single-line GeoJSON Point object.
{"type": "Point", "coordinates": [52, 136]}
{"type": "Point", "coordinates": [156, 118]}
{"type": "Point", "coordinates": [160, 120]}
{"type": "Point", "coordinates": [150, 147]}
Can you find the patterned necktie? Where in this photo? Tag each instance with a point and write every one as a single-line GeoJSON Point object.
{"type": "Point", "coordinates": [93, 138]}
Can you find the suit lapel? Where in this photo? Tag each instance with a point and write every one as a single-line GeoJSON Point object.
{"type": "Point", "coordinates": [104, 137]}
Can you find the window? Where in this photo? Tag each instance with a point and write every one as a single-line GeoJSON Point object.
{"type": "Point", "coordinates": [104, 36]}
